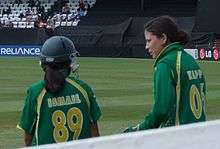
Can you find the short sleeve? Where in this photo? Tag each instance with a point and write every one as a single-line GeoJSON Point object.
{"type": "Point", "coordinates": [28, 115]}
{"type": "Point", "coordinates": [95, 111]}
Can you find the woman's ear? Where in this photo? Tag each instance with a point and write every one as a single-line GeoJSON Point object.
{"type": "Point", "coordinates": [164, 38]}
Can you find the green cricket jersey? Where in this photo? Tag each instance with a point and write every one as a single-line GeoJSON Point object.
{"type": "Point", "coordinates": [62, 117]}
{"type": "Point", "coordinates": [179, 90]}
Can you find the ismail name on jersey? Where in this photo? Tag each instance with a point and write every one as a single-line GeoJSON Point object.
{"type": "Point", "coordinates": [194, 74]}
{"type": "Point", "coordinates": [63, 100]}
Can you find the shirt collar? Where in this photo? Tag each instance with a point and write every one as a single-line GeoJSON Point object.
{"type": "Point", "coordinates": [167, 49]}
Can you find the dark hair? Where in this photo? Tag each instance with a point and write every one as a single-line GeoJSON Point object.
{"type": "Point", "coordinates": [167, 25]}
{"type": "Point", "coordinates": [55, 74]}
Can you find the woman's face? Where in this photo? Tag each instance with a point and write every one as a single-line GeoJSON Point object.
{"type": "Point", "coordinates": [154, 44]}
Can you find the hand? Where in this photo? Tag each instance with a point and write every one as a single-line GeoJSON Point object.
{"type": "Point", "coordinates": [130, 129]}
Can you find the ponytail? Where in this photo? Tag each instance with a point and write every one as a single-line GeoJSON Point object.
{"type": "Point", "coordinates": [167, 25]}
{"type": "Point", "coordinates": [182, 37]}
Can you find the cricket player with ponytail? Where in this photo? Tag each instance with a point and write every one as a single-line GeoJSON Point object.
{"type": "Point", "coordinates": [179, 83]}
{"type": "Point", "coordinates": [60, 107]}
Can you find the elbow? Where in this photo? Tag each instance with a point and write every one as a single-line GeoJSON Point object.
{"type": "Point", "coordinates": [94, 130]}
{"type": "Point", "coordinates": [28, 139]}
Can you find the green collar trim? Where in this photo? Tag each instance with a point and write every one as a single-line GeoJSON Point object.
{"type": "Point", "coordinates": [167, 49]}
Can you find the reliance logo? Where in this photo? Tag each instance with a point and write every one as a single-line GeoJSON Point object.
{"type": "Point", "coordinates": [7, 50]}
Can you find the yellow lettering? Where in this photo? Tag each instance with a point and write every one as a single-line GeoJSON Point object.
{"type": "Point", "coordinates": [77, 98]}
{"type": "Point", "coordinates": [61, 101]}
{"type": "Point", "coordinates": [49, 102]}
{"type": "Point", "coordinates": [194, 74]}
{"type": "Point", "coordinates": [200, 73]}
{"type": "Point", "coordinates": [68, 100]}
{"type": "Point", "coordinates": [54, 102]}
{"type": "Point", "coordinates": [189, 75]}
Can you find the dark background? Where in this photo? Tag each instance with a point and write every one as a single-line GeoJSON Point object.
{"type": "Point", "coordinates": [115, 28]}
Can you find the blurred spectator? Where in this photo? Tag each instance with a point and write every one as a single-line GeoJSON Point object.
{"type": "Point", "coordinates": [58, 5]}
{"type": "Point", "coordinates": [31, 3]}
{"type": "Point", "coordinates": [1, 24]}
{"type": "Point", "coordinates": [4, 11]}
{"type": "Point", "coordinates": [74, 15]}
{"type": "Point", "coordinates": [40, 10]}
{"type": "Point", "coordinates": [87, 6]}
{"type": "Point", "coordinates": [81, 6]}
{"type": "Point", "coordinates": [50, 11]}
{"type": "Point", "coordinates": [33, 11]}
{"type": "Point", "coordinates": [43, 17]}
{"type": "Point", "coordinates": [66, 9]}
{"type": "Point", "coordinates": [57, 17]}
{"type": "Point", "coordinates": [21, 15]}
{"type": "Point", "coordinates": [40, 24]}
{"type": "Point", "coordinates": [50, 23]}
{"type": "Point", "coordinates": [82, 9]}
{"type": "Point", "coordinates": [37, 3]}
{"type": "Point", "coordinates": [28, 12]}
{"type": "Point", "coordinates": [18, 2]}
{"type": "Point", "coordinates": [36, 23]}
{"type": "Point", "coordinates": [8, 11]}
{"type": "Point", "coordinates": [8, 23]}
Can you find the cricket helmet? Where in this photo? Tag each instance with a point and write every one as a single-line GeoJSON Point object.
{"type": "Point", "coordinates": [59, 49]}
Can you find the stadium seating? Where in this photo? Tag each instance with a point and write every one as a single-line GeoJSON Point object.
{"type": "Point", "coordinates": [27, 21]}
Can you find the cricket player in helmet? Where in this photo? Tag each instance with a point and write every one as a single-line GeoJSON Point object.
{"type": "Point", "coordinates": [59, 108]}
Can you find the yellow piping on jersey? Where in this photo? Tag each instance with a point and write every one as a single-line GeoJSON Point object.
{"type": "Point", "coordinates": [84, 93]}
{"type": "Point", "coordinates": [178, 67]}
{"type": "Point", "coordinates": [19, 127]}
{"type": "Point", "coordinates": [39, 101]}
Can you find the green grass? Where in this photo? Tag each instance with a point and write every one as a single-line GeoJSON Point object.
{"type": "Point", "coordinates": [123, 88]}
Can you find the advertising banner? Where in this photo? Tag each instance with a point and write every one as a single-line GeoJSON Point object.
{"type": "Point", "coordinates": [192, 52]}
{"type": "Point", "coordinates": [20, 50]}
{"type": "Point", "coordinates": [205, 53]}
{"type": "Point", "coordinates": [201, 53]}
{"type": "Point", "coordinates": [208, 54]}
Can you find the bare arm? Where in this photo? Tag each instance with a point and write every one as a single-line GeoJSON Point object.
{"type": "Point", "coordinates": [94, 130]}
{"type": "Point", "coordinates": [28, 139]}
